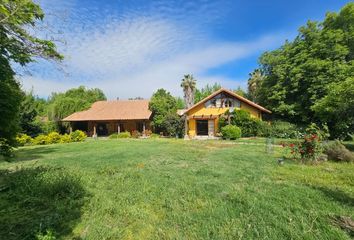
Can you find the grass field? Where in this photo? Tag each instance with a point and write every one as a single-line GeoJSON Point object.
{"type": "Point", "coordinates": [171, 189]}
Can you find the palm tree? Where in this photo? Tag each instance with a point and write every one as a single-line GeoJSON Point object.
{"type": "Point", "coordinates": [189, 85]}
{"type": "Point", "coordinates": [254, 82]}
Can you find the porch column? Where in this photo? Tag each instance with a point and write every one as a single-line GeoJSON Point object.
{"type": "Point", "coordinates": [70, 128]}
{"type": "Point", "coordinates": [118, 128]}
{"type": "Point", "coordinates": [186, 127]}
{"type": "Point", "coordinates": [94, 130]}
{"type": "Point", "coordinates": [144, 129]}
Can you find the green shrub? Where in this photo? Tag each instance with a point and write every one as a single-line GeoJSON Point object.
{"type": "Point", "coordinates": [113, 136]}
{"type": "Point", "coordinates": [6, 149]}
{"type": "Point", "coordinates": [230, 132]}
{"type": "Point", "coordinates": [65, 138]}
{"type": "Point", "coordinates": [336, 151]}
{"type": "Point", "coordinates": [264, 129]}
{"type": "Point", "coordinates": [120, 135]}
{"type": "Point", "coordinates": [78, 136]}
{"type": "Point", "coordinates": [250, 126]}
{"type": "Point", "coordinates": [23, 139]}
{"type": "Point", "coordinates": [41, 140]}
{"type": "Point", "coordinates": [282, 129]}
{"type": "Point", "coordinates": [48, 235]}
{"type": "Point", "coordinates": [47, 126]}
{"type": "Point", "coordinates": [154, 135]}
{"type": "Point", "coordinates": [53, 137]}
{"type": "Point", "coordinates": [124, 135]}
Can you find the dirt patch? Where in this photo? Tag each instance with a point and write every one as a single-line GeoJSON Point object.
{"type": "Point", "coordinates": [345, 223]}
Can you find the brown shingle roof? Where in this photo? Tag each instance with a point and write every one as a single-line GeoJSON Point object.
{"type": "Point", "coordinates": [113, 110]}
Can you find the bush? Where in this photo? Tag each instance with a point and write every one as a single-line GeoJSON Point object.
{"type": "Point", "coordinates": [78, 136]}
{"type": "Point", "coordinates": [53, 137]}
{"type": "Point", "coordinates": [282, 129]}
{"type": "Point", "coordinates": [6, 149]}
{"type": "Point", "coordinates": [135, 134]}
{"type": "Point", "coordinates": [231, 132]}
{"type": "Point", "coordinates": [120, 135]}
{"type": "Point", "coordinates": [148, 133]}
{"type": "Point", "coordinates": [23, 139]}
{"type": "Point", "coordinates": [65, 138]}
{"type": "Point", "coordinates": [41, 140]}
{"type": "Point", "coordinates": [250, 127]}
{"type": "Point", "coordinates": [154, 135]}
{"type": "Point", "coordinates": [113, 136]}
{"type": "Point", "coordinates": [336, 151]}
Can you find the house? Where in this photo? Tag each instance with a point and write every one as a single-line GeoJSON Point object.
{"type": "Point", "coordinates": [202, 118]}
{"type": "Point", "coordinates": [107, 117]}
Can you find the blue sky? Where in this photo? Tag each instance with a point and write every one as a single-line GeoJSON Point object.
{"type": "Point", "coordinates": [130, 48]}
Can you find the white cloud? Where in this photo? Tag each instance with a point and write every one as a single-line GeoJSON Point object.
{"type": "Point", "coordinates": [136, 52]}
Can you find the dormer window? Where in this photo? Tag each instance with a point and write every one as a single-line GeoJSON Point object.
{"type": "Point", "coordinates": [213, 102]}
{"type": "Point", "coordinates": [228, 103]}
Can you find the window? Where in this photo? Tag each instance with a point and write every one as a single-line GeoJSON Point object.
{"type": "Point", "coordinates": [140, 126]}
{"type": "Point", "coordinates": [213, 102]}
{"type": "Point", "coordinates": [228, 103]}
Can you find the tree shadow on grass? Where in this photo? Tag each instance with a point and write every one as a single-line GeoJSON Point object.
{"type": "Point", "coordinates": [33, 201]}
{"type": "Point", "coordinates": [35, 153]}
{"type": "Point", "coordinates": [337, 195]}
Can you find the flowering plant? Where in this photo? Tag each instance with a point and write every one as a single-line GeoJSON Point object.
{"type": "Point", "coordinates": [309, 149]}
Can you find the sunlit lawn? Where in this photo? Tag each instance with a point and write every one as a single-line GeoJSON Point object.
{"type": "Point", "coordinates": [171, 189]}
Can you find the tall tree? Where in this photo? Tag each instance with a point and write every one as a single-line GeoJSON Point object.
{"type": "Point", "coordinates": [301, 73]}
{"type": "Point", "coordinates": [164, 113]}
{"type": "Point", "coordinates": [337, 108]}
{"type": "Point", "coordinates": [76, 99]}
{"type": "Point", "coordinates": [188, 85]}
{"type": "Point", "coordinates": [240, 91]}
{"type": "Point", "coordinates": [19, 46]}
{"type": "Point", "coordinates": [254, 82]}
{"type": "Point", "coordinates": [28, 115]}
{"type": "Point", "coordinates": [205, 91]}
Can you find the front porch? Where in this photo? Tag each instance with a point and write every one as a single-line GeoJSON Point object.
{"type": "Point", "coordinates": [202, 127]}
{"type": "Point", "coordinates": [106, 128]}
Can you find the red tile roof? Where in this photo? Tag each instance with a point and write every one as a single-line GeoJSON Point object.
{"type": "Point", "coordinates": [113, 110]}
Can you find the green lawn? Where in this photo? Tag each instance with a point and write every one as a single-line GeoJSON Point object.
{"type": "Point", "coordinates": [171, 189]}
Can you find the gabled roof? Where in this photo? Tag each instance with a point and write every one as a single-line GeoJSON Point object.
{"type": "Point", "coordinates": [113, 110]}
{"type": "Point", "coordinates": [242, 99]}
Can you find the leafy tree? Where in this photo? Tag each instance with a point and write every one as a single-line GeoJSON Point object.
{"type": "Point", "coordinates": [10, 100]}
{"type": "Point", "coordinates": [189, 85]}
{"type": "Point", "coordinates": [202, 93]}
{"type": "Point", "coordinates": [254, 82]}
{"type": "Point", "coordinates": [174, 124]}
{"type": "Point", "coordinates": [337, 108]}
{"type": "Point", "coordinates": [164, 113]}
{"type": "Point", "coordinates": [180, 103]}
{"type": "Point", "coordinates": [240, 91]}
{"type": "Point", "coordinates": [28, 115]}
{"type": "Point", "coordinates": [19, 46]}
{"type": "Point", "coordinates": [62, 105]}
{"type": "Point", "coordinates": [301, 73]}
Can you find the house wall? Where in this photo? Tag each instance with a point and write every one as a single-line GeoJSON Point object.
{"type": "Point", "coordinates": [215, 111]}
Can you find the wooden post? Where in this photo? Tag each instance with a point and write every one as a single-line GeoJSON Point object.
{"type": "Point", "coordinates": [70, 128]}
{"type": "Point", "coordinates": [186, 127]}
{"type": "Point", "coordinates": [118, 128]}
{"type": "Point", "coordinates": [144, 129]}
{"type": "Point", "coordinates": [94, 131]}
